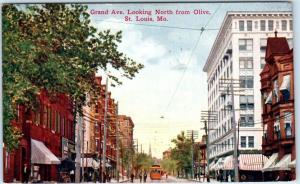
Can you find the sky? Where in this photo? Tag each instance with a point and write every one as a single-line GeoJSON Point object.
{"type": "Point", "coordinates": [168, 94]}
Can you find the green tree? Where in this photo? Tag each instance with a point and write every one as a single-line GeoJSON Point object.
{"type": "Point", "coordinates": [54, 47]}
{"type": "Point", "coordinates": [169, 165]}
{"type": "Point", "coordinates": [142, 161]}
{"type": "Point", "coordinates": [182, 153]}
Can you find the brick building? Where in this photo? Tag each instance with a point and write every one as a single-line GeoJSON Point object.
{"type": "Point", "coordinates": [277, 88]}
{"type": "Point", "coordinates": [48, 137]}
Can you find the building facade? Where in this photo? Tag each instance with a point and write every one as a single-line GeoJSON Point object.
{"type": "Point", "coordinates": [238, 55]}
{"type": "Point", "coordinates": [48, 138]}
{"type": "Point", "coordinates": [277, 89]}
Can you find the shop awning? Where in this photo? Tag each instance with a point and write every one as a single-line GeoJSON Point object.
{"type": "Point", "coordinates": [292, 164]}
{"type": "Point", "coordinates": [285, 85]}
{"type": "Point", "coordinates": [228, 163]}
{"type": "Point", "coordinates": [247, 162]}
{"type": "Point", "coordinates": [220, 163]}
{"type": "Point", "coordinates": [270, 163]}
{"type": "Point", "coordinates": [252, 162]}
{"type": "Point", "coordinates": [212, 166]}
{"type": "Point", "coordinates": [283, 163]}
{"type": "Point", "coordinates": [40, 154]}
{"type": "Point", "coordinates": [269, 99]}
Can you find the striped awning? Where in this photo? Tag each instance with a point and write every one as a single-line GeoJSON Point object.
{"type": "Point", "coordinates": [271, 162]}
{"type": "Point", "coordinates": [282, 165]}
{"type": "Point", "coordinates": [212, 166]}
{"type": "Point", "coordinates": [247, 162]}
{"type": "Point", "coordinates": [252, 162]}
{"type": "Point", "coordinates": [292, 164]}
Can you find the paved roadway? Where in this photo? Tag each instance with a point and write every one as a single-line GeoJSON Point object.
{"type": "Point", "coordinates": [171, 179]}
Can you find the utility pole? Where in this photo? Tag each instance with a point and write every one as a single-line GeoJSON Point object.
{"type": "Point", "coordinates": [193, 134]}
{"type": "Point", "coordinates": [208, 117]}
{"type": "Point", "coordinates": [78, 150]}
{"type": "Point", "coordinates": [230, 89]}
{"type": "Point", "coordinates": [192, 154]}
{"type": "Point", "coordinates": [104, 131]}
{"type": "Point", "coordinates": [117, 140]}
{"type": "Point", "coordinates": [236, 144]}
{"type": "Point", "coordinates": [207, 151]}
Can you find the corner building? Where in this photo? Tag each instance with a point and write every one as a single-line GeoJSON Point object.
{"type": "Point", "coordinates": [238, 53]}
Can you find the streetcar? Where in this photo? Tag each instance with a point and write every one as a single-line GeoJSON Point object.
{"type": "Point", "coordinates": [156, 172]}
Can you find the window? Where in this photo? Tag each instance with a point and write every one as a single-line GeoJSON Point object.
{"type": "Point", "coordinates": [262, 25]}
{"type": "Point", "coordinates": [96, 126]}
{"type": "Point", "coordinates": [284, 25]}
{"type": "Point", "coordinates": [277, 127]}
{"type": "Point", "coordinates": [63, 125]}
{"type": "Point", "coordinates": [265, 130]}
{"type": "Point", "coordinates": [241, 25]}
{"type": "Point", "coordinates": [45, 118]}
{"type": "Point", "coordinates": [247, 120]}
{"type": "Point", "coordinates": [249, 25]}
{"type": "Point", "coordinates": [262, 62]}
{"type": "Point", "coordinates": [245, 44]}
{"type": "Point", "coordinates": [49, 117]}
{"type": "Point", "coordinates": [270, 25]}
{"type": "Point", "coordinates": [246, 62]}
{"type": "Point", "coordinates": [275, 90]}
{"type": "Point", "coordinates": [251, 141]}
{"type": "Point", "coordinates": [37, 117]}
{"type": "Point", "coordinates": [243, 141]}
{"type": "Point", "coordinates": [263, 45]}
{"type": "Point", "coordinates": [57, 121]}
{"type": "Point", "coordinates": [246, 81]}
{"type": "Point", "coordinates": [291, 25]}
{"type": "Point", "coordinates": [288, 124]}
{"type": "Point", "coordinates": [246, 102]}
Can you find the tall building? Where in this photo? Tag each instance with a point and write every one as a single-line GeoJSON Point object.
{"type": "Point", "coordinates": [238, 53]}
{"type": "Point", "coordinates": [277, 88]}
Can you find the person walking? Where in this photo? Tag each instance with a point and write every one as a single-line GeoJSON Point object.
{"type": "Point", "coordinates": [145, 177]}
{"type": "Point", "coordinates": [131, 177]}
{"type": "Point", "coordinates": [141, 177]}
{"type": "Point", "coordinates": [26, 173]}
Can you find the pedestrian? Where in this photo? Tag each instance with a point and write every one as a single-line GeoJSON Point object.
{"type": "Point", "coordinates": [229, 177]}
{"type": "Point", "coordinates": [141, 176]}
{"type": "Point", "coordinates": [26, 173]}
{"type": "Point", "coordinates": [166, 175]}
{"type": "Point", "coordinates": [72, 176]}
{"type": "Point", "coordinates": [145, 176]}
{"type": "Point", "coordinates": [104, 177]}
{"type": "Point", "coordinates": [131, 177]}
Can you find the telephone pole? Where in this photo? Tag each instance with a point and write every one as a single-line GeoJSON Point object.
{"type": "Point", "coordinates": [232, 87]}
{"type": "Point", "coordinates": [104, 131]}
{"type": "Point", "coordinates": [78, 149]}
{"type": "Point", "coordinates": [208, 117]}
{"type": "Point", "coordinates": [193, 134]}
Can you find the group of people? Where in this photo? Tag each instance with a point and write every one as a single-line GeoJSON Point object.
{"type": "Point", "coordinates": [141, 176]}
{"type": "Point", "coordinates": [224, 177]}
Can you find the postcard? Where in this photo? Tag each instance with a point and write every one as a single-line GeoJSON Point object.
{"type": "Point", "coordinates": [148, 92]}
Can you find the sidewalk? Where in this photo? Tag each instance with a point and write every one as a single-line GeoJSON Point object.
{"type": "Point", "coordinates": [205, 180]}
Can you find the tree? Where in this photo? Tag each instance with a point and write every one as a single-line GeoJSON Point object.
{"type": "Point", "coordinates": [169, 165]}
{"type": "Point", "coordinates": [141, 162]}
{"type": "Point", "coordinates": [182, 153]}
{"type": "Point", "coordinates": [54, 47]}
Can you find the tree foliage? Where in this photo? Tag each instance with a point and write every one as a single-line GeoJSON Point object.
{"type": "Point", "coordinates": [54, 47]}
{"type": "Point", "coordinates": [142, 161]}
{"type": "Point", "coordinates": [182, 152]}
{"type": "Point", "coordinates": [169, 165]}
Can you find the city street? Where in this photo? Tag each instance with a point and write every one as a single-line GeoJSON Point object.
{"type": "Point", "coordinates": [171, 179]}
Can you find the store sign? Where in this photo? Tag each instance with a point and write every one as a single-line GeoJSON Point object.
{"type": "Point", "coordinates": [64, 147]}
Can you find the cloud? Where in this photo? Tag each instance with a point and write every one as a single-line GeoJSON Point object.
{"type": "Point", "coordinates": [134, 43]}
{"type": "Point", "coordinates": [182, 60]}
